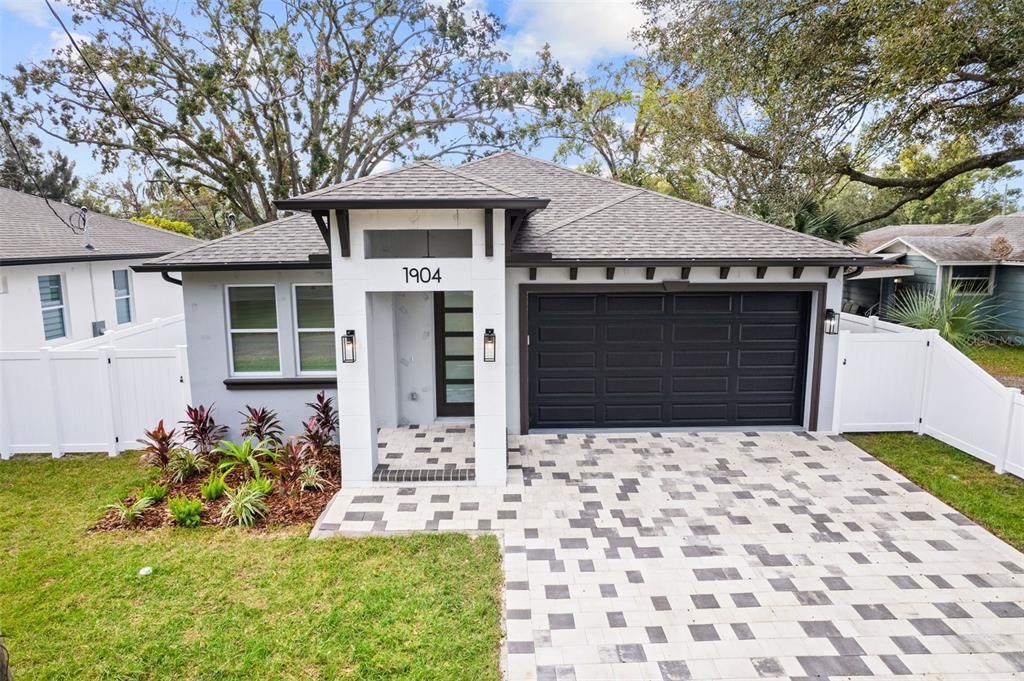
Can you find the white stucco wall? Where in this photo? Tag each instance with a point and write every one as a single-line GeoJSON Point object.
{"type": "Point", "coordinates": [596, 276]}
{"type": "Point", "coordinates": [89, 297]}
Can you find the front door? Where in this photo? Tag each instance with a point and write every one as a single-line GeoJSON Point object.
{"type": "Point", "coordinates": [453, 334]}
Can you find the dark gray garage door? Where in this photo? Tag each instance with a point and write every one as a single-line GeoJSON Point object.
{"type": "Point", "coordinates": [622, 360]}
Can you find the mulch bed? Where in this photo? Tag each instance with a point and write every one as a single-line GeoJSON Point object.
{"type": "Point", "coordinates": [302, 508]}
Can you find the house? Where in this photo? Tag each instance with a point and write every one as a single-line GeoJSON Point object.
{"type": "Point", "coordinates": [517, 294]}
{"type": "Point", "coordinates": [986, 258]}
{"type": "Point", "coordinates": [62, 281]}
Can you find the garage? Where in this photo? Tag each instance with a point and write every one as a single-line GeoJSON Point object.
{"type": "Point", "coordinates": [650, 359]}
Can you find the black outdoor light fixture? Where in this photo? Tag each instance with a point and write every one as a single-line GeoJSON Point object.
{"type": "Point", "coordinates": [348, 347]}
{"type": "Point", "coordinates": [831, 322]}
{"type": "Point", "coordinates": [490, 345]}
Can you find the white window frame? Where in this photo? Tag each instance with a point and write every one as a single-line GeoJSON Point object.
{"type": "Point", "coordinates": [230, 331]}
{"type": "Point", "coordinates": [991, 278]}
{"type": "Point", "coordinates": [63, 307]}
{"type": "Point", "coordinates": [129, 296]}
{"type": "Point", "coordinates": [295, 331]}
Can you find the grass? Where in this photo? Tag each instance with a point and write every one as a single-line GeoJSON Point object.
{"type": "Point", "coordinates": [999, 360]}
{"type": "Point", "coordinates": [229, 604]}
{"type": "Point", "coordinates": [965, 483]}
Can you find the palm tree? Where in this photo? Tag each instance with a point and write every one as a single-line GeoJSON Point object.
{"type": "Point", "coordinates": [961, 318]}
{"type": "Point", "coordinates": [811, 218]}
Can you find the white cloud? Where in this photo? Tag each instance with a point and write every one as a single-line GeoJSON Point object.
{"type": "Point", "coordinates": [32, 11]}
{"type": "Point", "coordinates": [580, 32]}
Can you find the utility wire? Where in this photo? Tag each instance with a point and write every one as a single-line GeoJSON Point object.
{"type": "Point", "coordinates": [96, 75]}
{"type": "Point", "coordinates": [31, 175]}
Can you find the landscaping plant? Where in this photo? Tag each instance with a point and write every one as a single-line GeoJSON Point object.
{"type": "Point", "coordinates": [293, 460]}
{"type": "Point", "coordinates": [186, 512]}
{"type": "Point", "coordinates": [325, 415]}
{"type": "Point", "coordinates": [312, 479]}
{"type": "Point", "coordinates": [154, 491]}
{"type": "Point", "coordinates": [185, 463]}
{"type": "Point", "coordinates": [200, 429]}
{"type": "Point", "coordinates": [159, 443]}
{"type": "Point", "coordinates": [249, 455]}
{"type": "Point", "coordinates": [961, 318]}
{"type": "Point", "coordinates": [246, 504]}
{"type": "Point", "coordinates": [261, 423]}
{"type": "Point", "coordinates": [215, 487]}
{"type": "Point", "coordinates": [129, 513]}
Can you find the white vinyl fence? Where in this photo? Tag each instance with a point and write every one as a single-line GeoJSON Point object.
{"type": "Point", "coordinates": [91, 400]}
{"type": "Point", "coordinates": [166, 332]}
{"type": "Point", "coordinates": [894, 378]}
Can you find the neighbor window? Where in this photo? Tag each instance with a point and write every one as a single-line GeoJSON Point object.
{"type": "Point", "coordinates": [975, 279]}
{"type": "Point", "coordinates": [314, 328]}
{"type": "Point", "coordinates": [51, 299]}
{"type": "Point", "coordinates": [122, 297]}
{"type": "Point", "coordinates": [252, 330]}
{"type": "Point", "coordinates": [418, 243]}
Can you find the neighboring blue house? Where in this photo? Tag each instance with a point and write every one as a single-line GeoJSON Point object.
{"type": "Point", "coordinates": [986, 258]}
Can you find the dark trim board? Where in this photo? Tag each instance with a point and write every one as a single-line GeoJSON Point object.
{"type": "Point", "coordinates": [526, 203]}
{"type": "Point", "coordinates": [85, 257]}
{"type": "Point", "coordinates": [283, 383]}
{"type": "Point", "coordinates": [814, 335]}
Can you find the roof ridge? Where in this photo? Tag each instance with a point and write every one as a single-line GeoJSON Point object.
{"type": "Point", "coordinates": [454, 170]}
{"type": "Point", "coordinates": [587, 213]}
{"type": "Point", "coordinates": [227, 237]}
{"type": "Point", "coordinates": [679, 200]}
{"type": "Point", "coordinates": [364, 178]}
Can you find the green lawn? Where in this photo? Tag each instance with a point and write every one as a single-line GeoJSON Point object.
{"type": "Point", "coordinates": [999, 360]}
{"type": "Point", "coordinates": [226, 604]}
{"type": "Point", "coordinates": [965, 483]}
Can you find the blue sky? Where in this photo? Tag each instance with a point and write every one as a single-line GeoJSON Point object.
{"type": "Point", "coordinates": [582, 33]}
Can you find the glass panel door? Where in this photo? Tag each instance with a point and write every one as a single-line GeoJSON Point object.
{"type": "Point", "coordinates": [453, 326]}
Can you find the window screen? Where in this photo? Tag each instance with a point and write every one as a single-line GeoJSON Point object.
{"type": "Point", "coordinates": [51, 300]}
{"type": "Point", "coordinates": [252, 329]}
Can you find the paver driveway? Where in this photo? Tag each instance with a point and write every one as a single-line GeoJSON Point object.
{"type": "Point", "coordinates": [725, 556]}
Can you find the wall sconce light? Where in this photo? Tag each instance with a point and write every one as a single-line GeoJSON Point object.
{"type": "Point", "coordinates": [831, 322]}
{"type": "Point", "coordinates": [348, 347]}
{"type": "Point", "coordinates": [490, 345]}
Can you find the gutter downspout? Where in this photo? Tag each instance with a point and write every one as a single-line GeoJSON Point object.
{"type": "Point", "coordinates": [856, 271]}
{"type": "Point", "coordinates": [169, 279]}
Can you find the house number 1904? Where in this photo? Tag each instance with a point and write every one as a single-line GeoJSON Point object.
{"type": "Point", "coordinates": [422, 275]}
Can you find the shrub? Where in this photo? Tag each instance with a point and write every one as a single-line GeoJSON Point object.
{"type": "Point", "coordinates": [961, 318]}
{"type": "Point", "coordinates": [262, 424]}
{"type": "Point", "coordinates": [292, 461]}
{"type": "Point", "coordinates": [154, 492]}
{"type": "Point", "coordinates": [200, 428]}
{"type": "Point", "coordinates": [245, 505]}
{"type": "Point", "coordinates": [178, 226]}
{"type": "Point", "coordinates": [129, 513]}
{"type": "Point", "coordinates": [247, 454]}
{"type": "Point", "coordinates": [214, 487]}
{"type": "Point", "coordinates": [186, 512]}
{"type": "Point", "coordinates": [159, 443]}
{"type": "Point", "coordinates": [311, 478]}
{"type": "Point", "coordinates": [264, 485]}
{"type": "Point", "coordinates": [325, 416]}
{"type": "Point", "coordinates": [185, 463]}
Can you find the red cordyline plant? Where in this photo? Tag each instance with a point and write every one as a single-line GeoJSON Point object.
{"type": "Point", "coordinates": [201, 430]}
{"type": "Point", "coordinates": [159, 444]}
{"type": "Point", "coordinates": [325, 415]}
{"type": "Point", "coordinates": [261, 423]}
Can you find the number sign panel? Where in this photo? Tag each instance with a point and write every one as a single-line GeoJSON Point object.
{"type": "Point", "coordinates": [419, 274]}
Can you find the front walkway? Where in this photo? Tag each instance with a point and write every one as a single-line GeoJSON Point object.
{"type": "Point", "coordinates": [724, 556]}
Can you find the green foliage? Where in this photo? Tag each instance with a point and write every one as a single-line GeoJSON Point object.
{"type": "Point", "coordinates": [127, 513]}
{"type": "Point", "coordinates": [186, 512]}
{"type": "Point", "coordinates": [246, 504]}
{"type": "Point", "coordinates": [185, 463]}
{"type": "Point", "coordinates": [49, 175]}
{"type": "Point", "coordinates": [312, 479]}
{"type": "Point", "coordinates": [158, 445]}
{"type": "Point", "coordinates": [177, 226]}
{"type": "Point", "coordinates": [200, 429]}
{"type": "Point", "coordinates": [261, 423]}
{"type": "Point", "coordinates": [963, 319]}
{"type": "Point", "coordinates": [214, 488]}
{"type": "Point", "coordinates": [249, 454]}
{"type": "Point", "coordinates": [154, 492]}
{"type": "Point", "coordinates": [811, 219]}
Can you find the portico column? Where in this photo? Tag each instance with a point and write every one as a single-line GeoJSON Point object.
{"type": "Point", "coordinates": [355, 423]}
{"type": "Point", "coordinates": [489, 413]}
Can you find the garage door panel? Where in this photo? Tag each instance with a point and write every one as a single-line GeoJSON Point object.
{"type": "Point", "coordinates": [679, 359]}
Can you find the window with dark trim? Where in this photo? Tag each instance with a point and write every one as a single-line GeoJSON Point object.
{"type": "Point", "coordinates": [418, 243]}
{"type": "Point", "coordinates": [314, 329]}
{"type": "Point", "coordinates": [453, 322]}
{"type": "Point", "coordinates": [51, 300]}
{"type": "Point", "coordinates": [253, 344]}
{"type": "Point", "coordinates": [122, 296]}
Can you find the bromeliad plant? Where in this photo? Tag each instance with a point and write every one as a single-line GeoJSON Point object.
{"type": "Point", "coordinates": [159, 444]}
{"type": "Point", "coordinates": [154, 492]}
{"type": "Point", "coordinates": [246, 504]}
{"type": "Point", "coordinates": [127, 513]}
{"type": "Point", "coordinates": [250, 455]}
{"type": "Point", "coordinates": [200, 429]}
{"type": "Point", "coordinates": [261, 423]}
{"type": "Point", "coordinates": [185, 463]}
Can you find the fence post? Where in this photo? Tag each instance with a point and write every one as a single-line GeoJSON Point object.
{"type": "Point", "coordinates": [49, 386]}
{"type": "Point", "coordinates": [107, 358]}
{"type": "Point", "coordinates": [837, 402]}
{"type": "Point", "coordinates": [5, 452]}
{"type": "Point", "coordinates": [183, 375]}
{"type": "Point", "coordinates": [1000, 467]}
{"type": "Point", "coordinates": [158, 325]}
{"type": "Point", "coordinates": [874, 323]}
{"type": "Point", "coordinates": [931, 337]}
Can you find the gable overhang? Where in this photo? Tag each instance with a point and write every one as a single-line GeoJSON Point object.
{"type": "Point", "coordinates": [529, 203]}
{"type": "Point", "coordinates": [315, 262]}
{"type": "Point", "coordinates": [91, 257]}
{"type": "Point", "coordinates": [546, 260]}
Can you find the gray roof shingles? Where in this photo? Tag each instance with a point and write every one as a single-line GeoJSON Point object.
{"type": "Point", "coordinates": [956, 242]}
{"type": "Point", "coordinates": [30, 232]}
{"type": "Point", "coordinates": [586, 218]}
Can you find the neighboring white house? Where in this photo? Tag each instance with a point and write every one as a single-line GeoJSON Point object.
{"type": "Point", "coordinates": [520, 295]}
{"type": "Point", "coordinates": [60, 283]}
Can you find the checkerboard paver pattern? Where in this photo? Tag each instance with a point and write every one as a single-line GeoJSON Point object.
{"type": "Point", "coordinates": [724, 556]}
{"type": "Point", "coordinates": [437, 452]}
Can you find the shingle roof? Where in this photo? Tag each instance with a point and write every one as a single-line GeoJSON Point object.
{"type": "Point", "coordinates": [286, 242]}
{"type": "Point", "coordinates": [30, 232]}
{"type": "Point", "coordinates": [585, 218]}
{"type": "Point", "coordinates": [1009, 227]}
{"type": "Point", "coordinates": [953, 248]}
{"type": "Point", "coordinates": [872, 239]}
